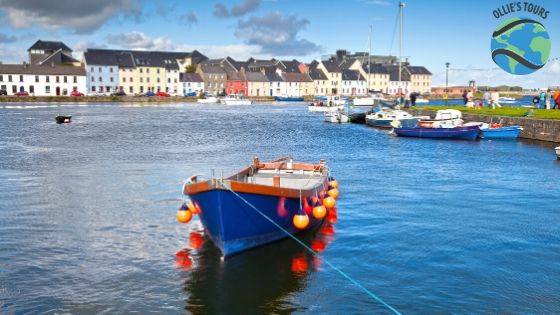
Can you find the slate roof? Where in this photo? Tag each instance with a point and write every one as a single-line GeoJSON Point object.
{"type": "Point", "coordinates": [235, 76]}
{"type": "Point", "coordinates": [394, 73]}
{"type": "Point", "coordinates": [346, 63]}
{"type": "Point", "coordinates": [317, 74]}
{"type": "Point", "coordinates": [375, 68]}
{"type": "Point", "coordinates": [58, 57]}
{"type": "Point", "coordinates": [331, 66]}
{"type": "Point", "coordinates": [418, 70]}
{"type": "Point", "coordinates": [134, 58]}
{"type": "Point", "coordinates": [256, 77]}
{"type": "Point", "coordinates": [212, 69]}
{"type": "Point", "coordinates": [352, 75]}
{"type": "Point", "coordinates": [41, 70]}
{"type": "Point", "coordinates": [272, 76]}
{"type": "Point", "coordinates": [296, 77]}
{"type": "Point", "coordinates": [291, 65]}
{"type": "Point", "coordinates": [190, 77]}
{"type": "Point", "coordinates": [49, 45]}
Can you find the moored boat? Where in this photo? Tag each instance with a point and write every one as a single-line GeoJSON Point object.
{"type": "Point", "coordinates": [235, 99]}
{"type": "Point", "coordinates": [497, 131]}
{"type": "Point", "coordinates": [384, 118]}
{"type": "Point", "coordinates": [446, 118]}
{"type": "Point", "coordinates": [557, 149]}
{"type": "Point", "coordinates": [338, 116]}
{"type": "Point", "coordinates": [288, 99]}
{"type": "Point", "coordinates": [460, 132]}
{"type": "Point", "coordinates": [262, 203]}
{"type": "Point", "coordinates": [208, 100]}
{"type": "Point", "coordinates": [63, 119]}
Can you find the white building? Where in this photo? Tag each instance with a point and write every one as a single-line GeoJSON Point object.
{"type": "Point", "coordinates": [353, 83]}
{"type": "Point", "coordinates": [50, 80]}
{"type": "Point", "coordinates": [191, 82]}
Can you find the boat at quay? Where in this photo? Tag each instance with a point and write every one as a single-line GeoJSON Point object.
{"type": "Point", "coordinates": [467, 132]}
{"type": "Point", "coordinates": [260, 204]}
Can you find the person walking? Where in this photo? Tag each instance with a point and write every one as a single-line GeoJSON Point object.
{"type": "Point", "coordinates": [548, 97]}
{"type": "Point", "coordinates": [413, 97]}
{"type": "Point", "coordinates": [556, 98]}
{"type": "Point", "coordinates": [465, 99]}
{"type": "Point", "coordinates": [543, 99]}
{"type": "Point", "coordinates": [494, 97]}
{"type": "Point", "coordinates": [486, 97]}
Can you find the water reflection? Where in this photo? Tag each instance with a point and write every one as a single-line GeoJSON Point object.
{"type": "Point", "coordinates": [262, 280]}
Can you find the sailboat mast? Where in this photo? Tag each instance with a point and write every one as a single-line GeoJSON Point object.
{"type": "Point", "coordinates": [369, 58]}
{"type": "Point", "coordinates": [401, 6]}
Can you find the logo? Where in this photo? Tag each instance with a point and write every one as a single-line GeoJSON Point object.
{"type": "Point", "coordinates": [520, 45]}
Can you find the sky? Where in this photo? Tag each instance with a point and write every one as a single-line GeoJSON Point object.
{"type": "Point", "coordinates": [435, 31]}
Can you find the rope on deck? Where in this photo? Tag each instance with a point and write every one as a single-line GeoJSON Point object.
{"type": "Point", "coordinates": [356, 283]}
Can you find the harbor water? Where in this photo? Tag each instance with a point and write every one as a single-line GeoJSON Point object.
{"type": "Point", "coordinates": [87, 216]}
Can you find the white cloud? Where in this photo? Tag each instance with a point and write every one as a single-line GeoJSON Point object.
{"type": "Point", "coordinates": [379, 2]}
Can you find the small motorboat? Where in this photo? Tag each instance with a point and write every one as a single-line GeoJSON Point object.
{"type": "Point", "coordinates": [447, 118]}
{"type": "Point", "coordinates": [460, 132]}
{"type": "Point", "coordinates": [497, 131]}
{"type": "Point", "coordinates": [386, 117]}
{"type": "Point", "coordinates": [557, 149]}
{"type": "Point", "coordinates": [339, 116]}
{"type": "Point", "coordinates": [262, 203]}
{"type": "Point", "coordinates": [327, 103]}
{"type": "Point", "coordinates": [208, 100]}
{"type": "Point", "coordinates": [288, 98]}
{"type": "Point", "coordinates": [235, 99]}
{"type": "Point", "coordinates": [63, 119]}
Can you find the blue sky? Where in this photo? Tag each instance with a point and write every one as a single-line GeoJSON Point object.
{"type": "Point", "coordinates": [434, 31]}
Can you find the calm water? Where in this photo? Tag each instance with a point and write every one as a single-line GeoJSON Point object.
{"type": "Point", "coordinates": [521, 101]}
{"type": "Point", "coordinates": [87, 217]}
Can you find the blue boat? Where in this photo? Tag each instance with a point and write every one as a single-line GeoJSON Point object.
{"type": "Point", "coordinates": [237, 211]}
{"type": "Point", "coordinates": [461, 132]}
{"type": "Point", "coordinates": [510, 132]}
{"type": "Point", "coordinates": [288, 99]}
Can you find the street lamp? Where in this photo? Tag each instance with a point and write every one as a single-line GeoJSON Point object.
{"type": "Point", "coordinates": [446, 81]}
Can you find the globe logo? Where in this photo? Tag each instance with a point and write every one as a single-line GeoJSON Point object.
{"type": "Point", "coordinates": [520, 46]}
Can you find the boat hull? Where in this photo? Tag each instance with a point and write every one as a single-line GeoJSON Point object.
{"type": "Point", "coordinates": [63, 119]}
{"type": "Point", "coordinates": [234, 226]}
{"type": "Point", "coordinates": [323, 109]}
{"type": "Point", "coordinates": [386, 123]}
{"type": "Point", "coordinates": [288, 99]}
{"type": "Point", "coordinates": [468, 133]}
{"type": "Point", "coordinates": [511, 132]}
{"type": "Point", "coordinates": [557, 149]}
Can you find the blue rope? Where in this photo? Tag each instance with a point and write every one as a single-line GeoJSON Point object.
{"type": "Point", "coordinates": [378, 299]}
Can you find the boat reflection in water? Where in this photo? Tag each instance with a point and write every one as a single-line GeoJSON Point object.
{"type": "Point", "coordinates": [257, 281]}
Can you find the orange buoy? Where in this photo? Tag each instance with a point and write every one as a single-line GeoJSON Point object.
{"type": "Point", "coordinates": [332, 217]}
{"type": "Point", "coordinates": [192, 208]}
{"type": "Point", "coordinates": [319, 212]}
{"type": "Point", "coordinates": [301, 221]}
{"type": "Point", "coordinates": [184, 216]}
{"type": "Point", "coordinates": [329, 202]}
{"type": "Point", "coordinates": [333, 183]}
{"type": "Point", "coordinates": [333, 193]}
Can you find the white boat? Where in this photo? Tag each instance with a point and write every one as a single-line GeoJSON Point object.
{"type": "Point", "coordinates": [338, 116]}
{"type": "Point", "coordinates": [327, 104]}
{"type": "Point", "coordinates": [422, 101]}
{"type": "Point", "coordinates": [557, 152]}
{"type": "Point", "coordinates": [235, 99]}
{"type": "Point", "coordinates": [505, 99]}
{"type": "Point", "coordinates": [208, 100]}
{"type": "Point", "coordinates": [367, 100]}
{"type": "Point", "coordinates": [445, 118]}
{"type": "Point", "coordinates": [387, 118]}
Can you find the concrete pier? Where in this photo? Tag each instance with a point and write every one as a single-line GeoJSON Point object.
{"type": "Point", "coordinates": [535, 129]}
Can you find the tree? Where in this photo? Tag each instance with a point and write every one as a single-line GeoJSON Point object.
{"type": "Point", "coordinates": [191, 68]}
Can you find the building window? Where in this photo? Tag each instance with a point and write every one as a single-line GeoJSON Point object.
{"type": "Point", "coordinates": [31, 89]}
{"type": "Point", "coordinates": [111, 70]}
{"type": "Point", "coordinates": [147, 70]}
{"type": "Point", "coordinates": [75, 79]}
{"type": "Point", "coordinates": [93, 88]}
{"type": "Point", "coordinates": [14, 89]}
{"type": "Point", "coordinates": [168, 80]}
{"type": "Point", "coordinates": [1, 78]}
{"type": "Point", "coordinates": [141, 87]}
{"type": "Point", "coordinates": [111, 79]}
{"type": "Point", "coordinates": [124, 80]}
{"type": "Point", "coordinates": [36, 79]}
{"type": "Point", "coordinates": [91, 69]}
{"type": "Point", "coordinates": [99, 69]}
{"type": "Point", "coordinates": [65, 79]}
{"type": "Point", "coordinates": [131, 79]}
{"type": "Point", "coordinates": [130, 90]}
{"type": "Point", "coordinates": [74, 88]}
{"type": "Point", "coordinates": [57, 79]}
{"type": "Point", "coordinates": [100, 79]}
{"type": "Point", "coordinates": [9, 78]}
{"type": "Point", "coordinates": [48, 89]}
{"type": "Point", "coordinates": [141, 80]}
{"type": "Point", "coordinates": [47, 79]}
{"type": "Point", "coordinates": [157, 80]}
{"type": "Point", "coordinates": [20, 78]}
{"type": "Point", "coordinates": [141, 70]}
{"type": "Point", "coordinates": [148, 80]}
{"type": "Point", "coordinates": [157, 71]}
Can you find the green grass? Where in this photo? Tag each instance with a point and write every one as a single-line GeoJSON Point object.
{"type": "Point", "coordinates": [503, 111]}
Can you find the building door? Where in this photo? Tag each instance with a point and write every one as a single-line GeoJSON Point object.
{"type": "Point", "coordinates": [21, 88]}
{"type": "Point", "coordinates": [58, 91]}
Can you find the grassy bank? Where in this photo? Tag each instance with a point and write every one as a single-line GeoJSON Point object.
{"type": "Point", "coordinates": [503, 111]}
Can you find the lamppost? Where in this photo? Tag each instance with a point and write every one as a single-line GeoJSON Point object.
{"type": "Point", "coordinates": [446, 81]}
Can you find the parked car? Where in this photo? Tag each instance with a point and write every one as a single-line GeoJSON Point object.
{"type": "Point", "coordinates": [76, 94]}
{"type": "Point", "coordinates": [190, 94]}
{"type": "Point", "coordinates": [163, 94]}
{"type": "Point", "coordinates": [149, 93]}
{"type": "Point", "coordinates": [97, 94]}
{"type": "Point", "coordinates": [3, 92]}
{"type": "Point", "coordinates": [22, 93]}
{"type": "Point", "coordinates": [118, 93]}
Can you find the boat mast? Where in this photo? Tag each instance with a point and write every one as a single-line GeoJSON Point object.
{"type": "Point", "coordinates": [401, 6]}
{"type": "Point", "coordinates": [369, 58]}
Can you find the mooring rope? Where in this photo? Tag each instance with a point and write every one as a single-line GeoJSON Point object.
{"type": "Point", "coordinates": [356, 283]}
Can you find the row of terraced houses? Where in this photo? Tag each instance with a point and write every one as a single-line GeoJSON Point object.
{"type": "Point", "coordinates": [52, 70]}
